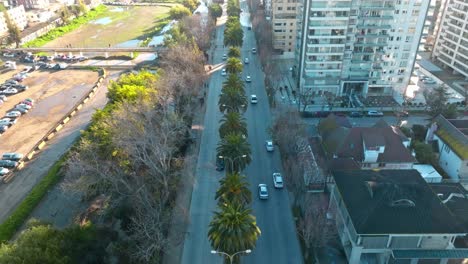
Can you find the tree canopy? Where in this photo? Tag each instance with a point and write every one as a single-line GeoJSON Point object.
{"type": "Point", "coordinates": [437, 100]}
{"type": "Point", "coordinates": [215, 11]}
{"type": "Point", "coordinates": [178, 12]}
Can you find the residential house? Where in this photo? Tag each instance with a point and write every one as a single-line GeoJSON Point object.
{"type": "Point", "coordinates": [378, 147]}
{"type": "Point", "coordinates": [450, 136]}
{"type": "Point", "coordinates": [394, 216]}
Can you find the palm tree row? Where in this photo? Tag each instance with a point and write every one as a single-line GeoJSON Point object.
{"type": "Point", "coordinates": [233, 227]}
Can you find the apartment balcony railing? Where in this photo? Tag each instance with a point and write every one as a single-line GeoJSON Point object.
{"type": "Point", "coordinates": [373, 26]}
{"type": "Point", "coordinates": [385, 17]}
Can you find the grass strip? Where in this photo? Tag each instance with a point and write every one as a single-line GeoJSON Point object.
{"type": "Point", "coordinates": [24, 209]}
{"type": "Point", "coordinates": [62, 30]}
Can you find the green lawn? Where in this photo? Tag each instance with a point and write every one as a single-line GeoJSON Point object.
{"type": "Point", "coordinates": [132, 23]}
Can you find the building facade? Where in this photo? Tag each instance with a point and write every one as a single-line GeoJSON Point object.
{"type": "Point", "coordinates": [30, 4]}
{"type": "Point", "coordinates": [284, 25]}
{"type": "Point", "coordinates": [17, 16]}
{"type": "Point", "coordinates": [451, 48]}
{"type": "Point", "coordinates": [432, 24]}
{"type": "Point", "coordinates": [367, 47]}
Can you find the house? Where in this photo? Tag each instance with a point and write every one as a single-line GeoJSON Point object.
{"type": "Point", "coordinates": [394, 216]}
{"type": "Point", "coordinates": [450, 137]}
{"type": "Point", "coordinates": [378, 147]}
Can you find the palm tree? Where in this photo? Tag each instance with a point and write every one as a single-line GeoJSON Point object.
{"type": "Point", "coordinates": [234, 188]}
{"type": "Point", "coordinates": [234, 65]}
{"type": "Point", "coordinates": [232, 122]}
{"type": "Point", "coordinates": [234, 52]}
{"type": "Point", "coordinates": [235, 150]}
{"type": "Point", "coordinates": [232, 100]}
{"type": "Point", "coordinates": [233, 229]}
{"type": "Point", "coordinates": [234, 81]}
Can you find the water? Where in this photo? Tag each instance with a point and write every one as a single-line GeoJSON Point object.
{"type": "Point", "coordinates": [133, 43]}
{"type": "Point", "coordinates": [102, 21]}
{"type": "Point", "coordinates": [159, 39]}
{"type": "Point", "coordinates": [117, 9]}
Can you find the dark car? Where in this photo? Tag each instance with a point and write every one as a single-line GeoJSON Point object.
{"type": "Point", "coordinates": [219, 164]}
{"type": "Point", "coordinates": [8, 163]}
{"type": "Point", "coordinates": [402, 114]}
{"type": "Point", "coordinates": [356, 114]}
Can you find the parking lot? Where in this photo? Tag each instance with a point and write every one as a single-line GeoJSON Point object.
{"type": "Point", "coordinates": [54, 93]}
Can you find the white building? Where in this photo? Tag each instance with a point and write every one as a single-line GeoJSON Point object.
{"type": "Point", "coordinates": [366, 47]}
{"type": "Point", "coordinates": [38, 16]}
{"type": "Point", "coordinates": [452, 144]}
{"type": "Point", "coordinates": [17, 16]}
{"type": "Point", "coordinates": [30, 4]}
{"type": "Point", "coordinates": [451, 48]}
{"type": "Point", "coordinates": [284, 25]}
{"type": "Point", "coordinates": [432, 24]}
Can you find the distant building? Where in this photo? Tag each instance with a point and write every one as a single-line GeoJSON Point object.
{"type": "Point", "coordinates": [378, 147]}
{"type": "Point", "coordinates": [366, 47]}
{"type": "Point", "coordinates": [38, 16]}
{"type": "Point", "coordinates": [30, 4]}
{"type": "Point", "coordinates": [284, 26]}
{"type": "Point", "coordinates": [394, 216]}
{"type": "Point", "coordinates": [17, 16]}
{"type": "Point", "coordinates": [432, 24]}
{"type": "Point", "coordinates": [450, 137]}
{"type": "Point", "coordinates": [451, 48]}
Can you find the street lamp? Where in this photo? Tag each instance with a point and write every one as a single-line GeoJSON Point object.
{"type": "Point", "coordinates": [232, 160]}
{"type": "Point", "coordinates": [231, 257]}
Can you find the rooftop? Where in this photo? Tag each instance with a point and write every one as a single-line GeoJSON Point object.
{"type": "Point", "coordinates": [454, 133]}
{"type": "Point", "coordinates": [394, 202]}
{"type": "Point", "coordinates": [455, 197]}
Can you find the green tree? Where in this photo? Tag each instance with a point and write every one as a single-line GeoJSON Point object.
{"type": "Point", "coordinates": [234, 52]}
{"type": "Point", "coordinates": [234, 189]}
{"type": "Point", "coordinates": [424, 152]}
{"type": "Point", "coordinates": [232, 100]}
{"type": "Point", "coordinates": [419, 132]}
{"type": "Point", "coordinates": [14, 33]}
{"type": "Point", "coordinates": [234, 81]}
{"type": "Point", "coordinates": [235, 149]}
{"type": "Point", "coordinates": [131, 86]}
{"type": "Point", "coordinates": [190, 4]}
{"type": "Point", "coordinates": [233, 34]}
{"type": "Point", "coordinates": [176, 36]}
{"type": "Point", "coordinates": [215, 11]}
{"type": "Point", "coordinates": [437, 100]}
{"type": "Point", "coordinates": [233, 8]}
{"type": "Point", "coordinates": [232, 122]}
{"type": "Point", "coordinates": [233, 229]}
{"type": "Point", "coordinates": [178, 12]}
{"type": "Point", "coordinates": [234, 65]}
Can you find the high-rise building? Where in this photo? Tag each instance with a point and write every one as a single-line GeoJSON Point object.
{"type": "Point", "coordinates": [451, 48]}
{"type": "Point", "coordinates": [432, 24]}
{"type": "Point", "coordinates": [365, 47]}
{"type": "Point", "coordinates": [284, 25]}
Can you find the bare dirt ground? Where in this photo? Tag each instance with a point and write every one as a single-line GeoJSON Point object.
{"type": "Point", "coordinates": [55, 93]}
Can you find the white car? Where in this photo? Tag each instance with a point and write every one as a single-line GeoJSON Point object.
{"type": "Point", "coordinates": [246, 60]}
{"type": "Point", "coordinates": [374, 113]}
{"type": "Point", "coordinates": [6, 119]}
{"type": "Point", "coordinates": [20, 109]}
{"type": "Point", "coordinates": [224, 57]}
{"type": "Point", "coordinates": [3, 171]}
{"type": "Point", "coordinates": [10, 91]}
{"type": "Point", "coordinates": [5, 123]}
{"type": "Point", "coordinates": [248, 79]}
{"type": "Point", "coordinates": [262, 191]}
{"type": "Point", "coordinates": [8, 55]}
{"type": "Point", "coordinates": [253, 99]}
{"type": "Point", "coordinates": [429, 81]}
{"type": "Point", "coordinates": [25, 106]}
{"type": "Point", "coordinates": [269, 145]}
{"type": "Point", "coordinates": [13, 114]}
{"type": "Point", "coordinates": [254, 50]}
{"type": "Point", "coordinates": [223, 72]}
{"type": "Point", "coordinates": [277, 180]}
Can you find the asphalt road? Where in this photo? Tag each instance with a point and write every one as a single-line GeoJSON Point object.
{"type": "Point", "coordinates": [278, 242]}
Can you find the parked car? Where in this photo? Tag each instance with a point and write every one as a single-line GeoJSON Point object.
{"type": "Point", "coordinates": [246, 60]}
{"type": "Point", "coordinates": [8, 120]}
{"type": "Point", "coordinates": [29, 100]}
{"type": "Point", "coordinates": [277, 180]}
{"type": "Point", "coordinates": [6, 123]}
{"type": "Point", "coordinates": [8, 163]}
{"type": "Point", "coordinates": [11, 81]}
{"type": "Point", "coordinates": [25, 106]}
{"type": "Point", "coordinates": [3, 97]}
{"type": "Point", "coordinates": [8, 55]}
{"type": "Point", "coordinates": [262, 191]}
{"type": "Point", "coordinates": [27, 103]}
{"type": "Point", "coordinates": [21, 88]}
{"type": "Point", "coordinates": [10, 91]}
{"type": "Point", "coordinates": [12, 156]}
{"type": "Point", "coordinates": [356, 114]}
{"type": "Point", "coordinates": [20, 109]}
{"type": "Point", "coordinates": [269, 145]}
{"type": "Point", "coordinates": [248, 79]}
{"type": "Point", "coordinates": [13, 114]}
{"type": "Point", "coordinates": [4, 171]}
{"type": "Point", "coordinates": [253, 99]}
{"type": "Point", "coordinates": [3, 129]}
{"type": "Point", "coordinates": [374, 113]}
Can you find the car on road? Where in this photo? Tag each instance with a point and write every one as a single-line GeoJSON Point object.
{"type": "Point", "coordinates": [4, 171]}
{"type": "Point", "coordinates": [262, 191]}
{"type": "Point", "coordinates": [402, 114]}
{"type": "Point", "coordinates": [8, 163]}
{"type": "Point", "coordinates": [374, 113]}
{"type": "Point", "coordinates": [223, 72]}
{"type": "Point", "coordinates": [429, 81]}
{"type": "Point", "coordinates": [254, 50]}
{"type": "Point", "coordinates": [269, 145]}
{"type": "Point", "coordinates": [219, 164]}
{"type": "Point", "coordinates": [13, 114]}
{"type": "Point", "coordinates": [246, 60]}
{"type": "Point", "coordinates": [356, 114]}
{"type": "Point", "coordinates": [12, 156]}
{"type": "Point", "coordinates": [248, 79]}
{"type": "Point", "coordinates": [277, 180]}
{"type": "Point", "coordinates": [224, 57]}
{"type": "Point", "coordinates": [10, 91]}
{"type": "Point", "coordinates": [253, 99]}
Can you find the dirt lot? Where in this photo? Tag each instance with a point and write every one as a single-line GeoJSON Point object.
{"type": "Point", "coordinates": [55, 93]}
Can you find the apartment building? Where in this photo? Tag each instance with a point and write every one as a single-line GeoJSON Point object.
{"type": "Point", "coordinates": [432, 24]}
{"type": "Point", "coordinates": [284, 25]}
{"type": "Point", "coordinates": [30, 4]}
{"type": "Point", "coordinates": [394, 216]}
{"type": "Point", "coordinates": [451, 48]}
{"type": "Point", "coordinates": [17, 16]}
{"type": "Point", "coordinates": [367, 47]}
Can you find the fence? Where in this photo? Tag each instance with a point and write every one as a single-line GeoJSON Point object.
{"type": "Point", "coordinates": [56, 128]}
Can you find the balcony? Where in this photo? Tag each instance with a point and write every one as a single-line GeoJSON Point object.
{"type": "Point", "coordinates": [373, 26]}
{"type": "Point", "coordinates": [385, 17]}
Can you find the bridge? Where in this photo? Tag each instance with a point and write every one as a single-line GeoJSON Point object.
{"type": "Point", "coordinates": [110, 50]}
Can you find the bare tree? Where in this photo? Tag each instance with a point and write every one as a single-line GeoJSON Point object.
{"type": "Point", "coordinates": [305, 98]}
{"type": "Point", "coordinates": [294, 176]}
{"type": "Point", "coordinates": [287, 129]}
{"type": "Point", "coordinates": [200, 29]}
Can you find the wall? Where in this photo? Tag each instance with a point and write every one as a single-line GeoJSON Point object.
{"type": "Point", "coordinates": [440, 242]}
{"type": "Point", "coordinates": [448, 160]}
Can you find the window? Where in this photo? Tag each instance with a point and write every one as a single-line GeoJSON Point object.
{"type": "Point", "coordinates": [280, 8]}
{"type": "Point", "coordinates": [409, 38]}
{"type": "Point", "coordinates": [381, 164]}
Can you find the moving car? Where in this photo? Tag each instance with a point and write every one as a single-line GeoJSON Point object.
{"type": "Point", "coordinates": [356, 114]}
{"type": "Point", "coordinates": [262, 191]}
{"type": "Point", "coordinates": [254, 50]}
{"type": "Point", "coordinates": [224, 57]}
{"type": "Point", "coordinates": [269, 145]}
{"type": "Point", "coordinates": [402, 113]}
{"type": "Point", "coordinates": [12, 156]}
{"type": "Point", "coordinates": [246, 60]}
{"type": "Point", "coordinates": [3, 171]}
{"type": "Point", "coordinates": [219, 164]}
{"type": "Point", "coordinates": [374, 113]}
{"type": "Point", "coordinates": [8, 163]}
{"type": "Point", "coordinates": [223, 72]}
{"type": "Point", "coordinates": [253, 99]}
{"type": "Point", "coordinates": [248, 79]}
{"type": "Point", "coordinates": [277, 180]}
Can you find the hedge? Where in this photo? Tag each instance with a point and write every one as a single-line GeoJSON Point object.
{"type": "Point", "coordinates": [11, 225]}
